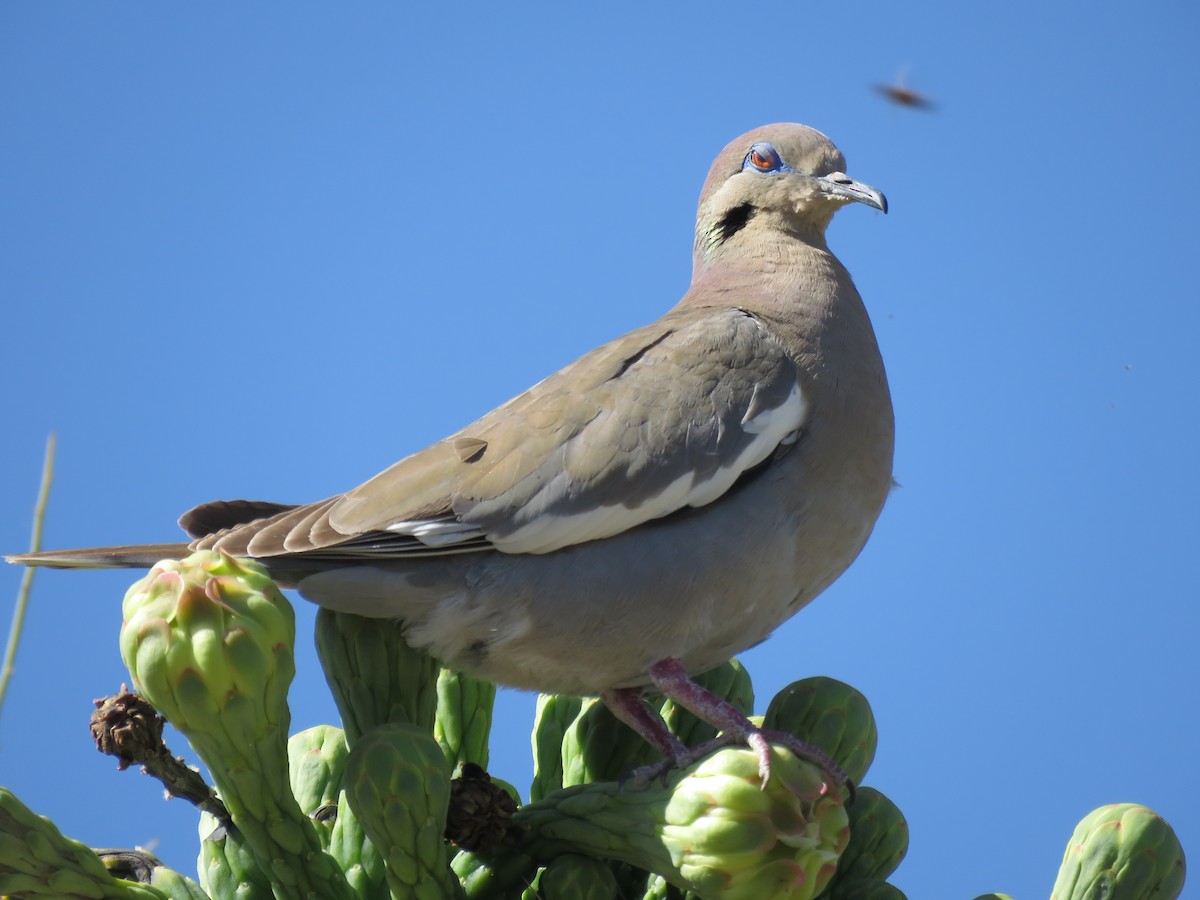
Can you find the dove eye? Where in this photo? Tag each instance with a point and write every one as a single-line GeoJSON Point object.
{"type": "Point", "coordinates": [762, 156]}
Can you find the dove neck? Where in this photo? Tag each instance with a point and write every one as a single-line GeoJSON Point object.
{"type": "Point", "coordinates": [771, 274]}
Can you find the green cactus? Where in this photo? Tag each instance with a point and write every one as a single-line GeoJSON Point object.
{"type": "Point", "coordinates": [710, 829]}
{"type": "Point", "coordinates": [494, 875]}
{"type": "Point", "coordinates": [208, 641]}
{"type": "Point", "coordinates": [866, 890]}
{"type": "Point", "coordinates": [463, 722]}
{"type": "Point", "coordinates": [575, 877]}
{"type": "Point", "coordinates": [175, 886]}
{"type": "Point", "coordinates": [1122, 851]}
{"type": "Point", "coordinates": [226, 867]}
{"type": "Point", "coordinates": [36, 860]}
{"type": "Point", "coordinates": [830, 715]}
{"type": "Point", "coordinates": [878, 843]}
{"type": "Point", "coordinates": [398, 784]}
{"type": "Point", "coordinates": [317, 759]}
{"type": "Point", "coordinates": [554, 715]}
{"type": "Point", "coordinates": [360, 859]}
{"type": "Point", "coordinates": [316, 762]}
{"type": "Point", "coordinates": [600, 747]}
{"type": "Point", "coordinates": [658, 888]}
{"type": "Point", "coordinates": [375, 676]}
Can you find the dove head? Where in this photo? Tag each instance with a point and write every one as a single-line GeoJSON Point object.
{"type": "Point", "coordinates": [787, 178]}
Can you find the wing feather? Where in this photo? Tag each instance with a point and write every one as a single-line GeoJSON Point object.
{"type": "Point", "coordinates": [667, 417]}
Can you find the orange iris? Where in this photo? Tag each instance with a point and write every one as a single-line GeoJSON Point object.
{"type": "Point", "coordinates": [760, 160]}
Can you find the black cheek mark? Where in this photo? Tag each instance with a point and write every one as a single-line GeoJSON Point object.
{"type": "Point", "coordinates": [735, 220]}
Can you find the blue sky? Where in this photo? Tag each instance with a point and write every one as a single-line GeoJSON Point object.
{"type": "Point", "coordinates": [265, 250]}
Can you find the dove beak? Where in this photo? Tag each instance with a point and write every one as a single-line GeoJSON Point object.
{"type": "Point", "coordinates": [841, 185]}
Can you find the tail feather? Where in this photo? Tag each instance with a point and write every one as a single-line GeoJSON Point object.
{"type": "Point", "coordinates": [137, 556]}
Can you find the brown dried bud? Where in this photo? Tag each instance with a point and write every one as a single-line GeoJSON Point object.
{"type": "Point", "coordinates": [127, 727]}
{"type": "Point", "coordinates": [480, 815]}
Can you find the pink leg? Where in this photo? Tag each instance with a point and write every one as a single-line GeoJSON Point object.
{"type": "Point", "coordinates": [628, 705]}
{"type": "Point", "coordinates": [671, 679]}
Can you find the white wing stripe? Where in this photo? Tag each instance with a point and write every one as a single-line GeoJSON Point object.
{"type": "Point", "coordinates": [548, 532]}
{"type": "Point", "coordinates": [770, 427]}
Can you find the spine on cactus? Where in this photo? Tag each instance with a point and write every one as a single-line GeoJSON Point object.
{"type": "Point", "coordinates": [375, 676]}
{"type": "Point", "coordinates": [208, 641]}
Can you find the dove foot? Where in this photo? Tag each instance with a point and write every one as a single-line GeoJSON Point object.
{"type": "Point", "coordinates": [671, 679]}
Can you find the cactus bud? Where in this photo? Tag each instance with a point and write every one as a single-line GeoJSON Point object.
{"type": "Point", "coordinates": [463, 723]}
{"type": "Point", "coordinates": [36, 860]}
{"type": "Point", "coordinates": [1122, 850]}
{"type": "Point", "coordinates": [878, 840]}
{"type": "Point", "coordinates": [555, 714]}
{"type": "Point", "coordinates": [575, 877]}
{"type": "Point", "coordinates": [208, 640]}
{"type": "Point", "coordinates": [375, 676]}
{"type": "Point", "coordinates": [712, 828]}
{"type": "Point", "coordinates": [830, 715]}
{"type": "Point", "coordinates": [398, 784]}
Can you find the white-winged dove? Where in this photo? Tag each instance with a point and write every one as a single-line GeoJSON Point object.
{"type": "Point", "coordinates": [650, 510]}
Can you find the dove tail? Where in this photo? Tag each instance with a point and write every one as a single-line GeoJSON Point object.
{"type": "Point", "coordinates": [137, 556]}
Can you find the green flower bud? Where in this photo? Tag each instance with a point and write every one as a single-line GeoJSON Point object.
{"type": "Point", "coordinates": [176, 886]}
{"type": "Point", "coordinates": [316, 761]}
{"type": "Point", "coordinates": [398, 784]}
{"type": "Point", "coordinates": [878, 841]}
{"type": "Point", "coordinates": [600, 747]}
{"type": "Point", "coordinates": [555, 714]}
{"type": "Point", "coordinates": [710, 829]}
{"type": "Point", "coordinates": [830, 715]}
{"type": "Point", "coordinates": [375, 676]}
{"type": "Point", "coordinates": [1123, 851]}
{"type": "Point", "coordinates": [358, 857]}
{"type": "Point", "coordinates": [226, 866]}
{"type": "Point", "coordinates": [658, 888]}
{"type": "Point", "coordinates": [463, 722]}
{"type": "Point", "coordinates": [493, 875]}
{"type": "Point", "coordinates": [36, 860]}
{"type": "Point", "coordinates": [575, 877]}
{"type": "Point", "coordinates": [865, 890]}
{"type": "Point", "coordinates": [208, 640]}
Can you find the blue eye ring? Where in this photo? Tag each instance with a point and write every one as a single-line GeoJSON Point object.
{"type": "Point", "coordinates": [765, 159]}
